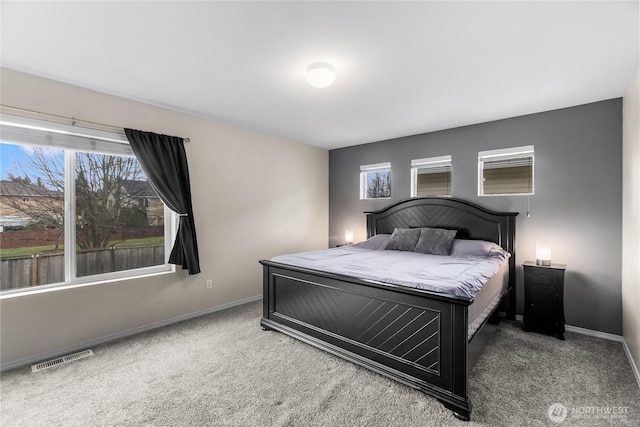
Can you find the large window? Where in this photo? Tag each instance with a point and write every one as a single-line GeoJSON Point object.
{"type": "Point", "coordinates": [506, 172]}
{"type": "Point", "coordinates": [75, 206]}
{"type": "Point", "coordinates": [375, 181]}
{"type": "Point", "coordinates": [431, 176]}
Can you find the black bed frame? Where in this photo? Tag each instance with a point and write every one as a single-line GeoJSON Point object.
{"type": "Point", "coordinates": [416, 337]}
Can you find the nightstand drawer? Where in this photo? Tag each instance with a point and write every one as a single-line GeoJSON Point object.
{"type": "Point", "coordinates": [541, 276]}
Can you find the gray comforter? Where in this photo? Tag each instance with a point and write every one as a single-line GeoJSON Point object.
{"type": "Point", "coordinates": [453, 275]}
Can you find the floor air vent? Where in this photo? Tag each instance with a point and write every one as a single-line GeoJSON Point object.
{"type": "Point", "coordinates": [61, 360]}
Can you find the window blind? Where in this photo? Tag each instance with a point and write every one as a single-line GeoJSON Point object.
{"type": "Point", "coordinates": [431, 176]}
{"type": "Point", "coordinates": [21, 130]}
{"type": "Point", "coordinates": [431, 162]}
{"type": "Point", "coordinates": [506, 171]}
{"type": "Point", "coordinates": [433, 184]}
{"type": "Point", "coordinates": [375, 166]}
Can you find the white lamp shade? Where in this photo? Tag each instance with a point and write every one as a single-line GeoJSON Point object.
{"type": "Point", "coordinates": [348, 236]}
{"type": "Point", "coordinates": [543, 252]}
{"type": "Point", "coordinates": [320, 75]}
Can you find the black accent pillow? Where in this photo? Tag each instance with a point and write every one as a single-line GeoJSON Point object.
{"type": "Point", "coordinates": [435, 241]}
{"type": "Point", "coordinates": [404, 239]}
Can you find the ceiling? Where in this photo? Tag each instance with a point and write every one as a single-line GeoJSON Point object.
{"type": "Point", "coordinates": [402, 68]}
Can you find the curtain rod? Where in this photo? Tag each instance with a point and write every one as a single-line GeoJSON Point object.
{"type": "Point", "coordinates": [66, 120]}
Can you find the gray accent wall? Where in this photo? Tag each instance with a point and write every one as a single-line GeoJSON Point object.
{"type": "Point", "coordinates": [577, 202]}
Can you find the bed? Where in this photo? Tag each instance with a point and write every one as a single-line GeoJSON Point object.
{"type": "Point", "coordinates": [425, 339]}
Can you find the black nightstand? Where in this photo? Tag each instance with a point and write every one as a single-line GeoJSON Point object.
{"type": "Point", "coordinates": [544, 298]}
{"type": "Point", "coordinates": [339, 245]}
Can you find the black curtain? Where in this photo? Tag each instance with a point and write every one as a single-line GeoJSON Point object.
{"type": "Point", "coordinates": [164, 161]}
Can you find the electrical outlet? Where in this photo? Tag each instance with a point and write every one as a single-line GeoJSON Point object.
{"type": "Point", "coordinates": [209, 284]}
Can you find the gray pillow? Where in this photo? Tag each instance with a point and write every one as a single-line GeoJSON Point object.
{"type": "Point", "coordinates": [379, 241]}
{"type": "Point", "coordinates": [435, 241]}
{"type": "Point", "coordinates": [404, 239]}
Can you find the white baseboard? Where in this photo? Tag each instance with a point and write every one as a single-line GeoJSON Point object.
{"type": "Point", "coordinates": [83, 345]}
{"type": "Point", "coordinates": [584, 331]}
{"type": "Point", "coordinates": [591, 332]}
{"type": "Point", "coordinates": [606, 336]}
{"type": "Point", "coordinates": [634, 367]}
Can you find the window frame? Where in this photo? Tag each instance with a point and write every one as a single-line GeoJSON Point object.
{"type": "Point", "coordinates": [430, 163]}
{"type": "Point", "coordinates": [505, 154]}
{"type": "Point", "coordinates": [97, 142]}
{"type": "Point", "coordinates": [374, 167]}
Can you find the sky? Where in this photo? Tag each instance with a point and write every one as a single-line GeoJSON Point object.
{"type": "Point", "coordinates": [19, 160]}
{"type": "Point", "coordinates": [14, 158]}
{"type": "Point", "coordinates": [10, 154]}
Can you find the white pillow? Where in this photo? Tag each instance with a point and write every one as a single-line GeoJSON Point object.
{"type": "Point", "coordinates": [474, 248]}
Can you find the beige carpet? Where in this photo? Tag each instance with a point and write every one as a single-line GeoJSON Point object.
{"type": "Point", "coordinates": [223, 370]}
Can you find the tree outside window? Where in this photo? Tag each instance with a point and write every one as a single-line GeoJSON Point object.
{"type": "Point", "coordinates": [375, 181]}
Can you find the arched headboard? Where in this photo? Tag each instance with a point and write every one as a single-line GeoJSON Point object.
{"type": "Point", "coordinates": [472, 221]}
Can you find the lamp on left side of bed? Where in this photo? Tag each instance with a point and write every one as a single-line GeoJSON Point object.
{"type": "Point", "coordinates": [348, 236]}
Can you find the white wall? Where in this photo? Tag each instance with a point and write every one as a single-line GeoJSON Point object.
{"type": "Point", "coordinates": [631, 219]}
{"type": "Point", "coordinates": [254, 196]}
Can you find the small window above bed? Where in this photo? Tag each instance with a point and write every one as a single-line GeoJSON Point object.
{"type": "Point", "coordinates": [507, 171]}
{"type": "Point", "coordinates": [375, 181]}
{"type": "Point", "coordinates": [431, 176]}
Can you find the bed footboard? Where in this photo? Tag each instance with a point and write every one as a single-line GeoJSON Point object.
{"type": "Point", "coordinates": [415, 337]}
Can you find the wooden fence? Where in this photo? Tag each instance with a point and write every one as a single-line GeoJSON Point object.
{"type": "Point", "coordinates": [30, 238]}
{"type": "Point", "coordinates": [23, 272]}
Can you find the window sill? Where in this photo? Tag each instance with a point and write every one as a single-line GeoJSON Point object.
{"type": "Point", "coordinates": [15, 293]}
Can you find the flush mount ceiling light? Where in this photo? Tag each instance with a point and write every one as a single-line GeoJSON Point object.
{"type": "Point", "coordinates": [320, 74]}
